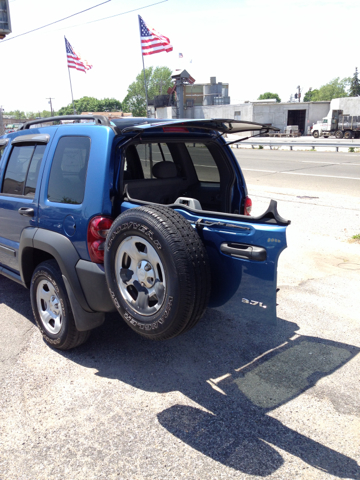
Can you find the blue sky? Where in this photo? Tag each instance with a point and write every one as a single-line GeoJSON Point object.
{"type": "Point", "coordinates": [255, 46]}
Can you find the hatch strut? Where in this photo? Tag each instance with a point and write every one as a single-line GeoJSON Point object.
{"type": "Point", "coordinates": [251, 136]}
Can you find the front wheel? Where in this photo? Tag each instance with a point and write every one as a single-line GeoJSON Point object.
{"type": "Point", "coordinates": [157, 271]}
{"type": "Point", "coordinates": [51, 308]}
{"type": "Point", "coordinates": [315, 134]}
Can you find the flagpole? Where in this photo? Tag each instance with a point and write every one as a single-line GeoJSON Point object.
{"type": "Point", "coordinates": [146, 96]}
{"type": "Point", "coordinates": [72, 96]}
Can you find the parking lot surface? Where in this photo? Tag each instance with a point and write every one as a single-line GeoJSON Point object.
{"type": "Point", "coordinates": [229, 399]}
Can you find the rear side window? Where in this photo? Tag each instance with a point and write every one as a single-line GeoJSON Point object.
{"type": "Point", "coordinates": [152, 153]}
{"type": "Point", "coordinates": [22, 170]}
{"type": "Point", "coordinates": [68, 170]}
{"type": "Point", "coordinates": [204, 163]}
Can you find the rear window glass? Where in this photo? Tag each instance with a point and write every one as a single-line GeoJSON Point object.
{"type": "Point", "coordinates": [68, 170]}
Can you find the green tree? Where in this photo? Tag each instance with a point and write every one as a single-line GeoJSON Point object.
{"type": "Point", "coordinates": [19, 115]}
{"type": "Point", "coordinates": [269, 96]}
{"type": "Point", "coordinates": [355, 85]}
{"type": "Point", "coordinates": [158, 81]}
{"type": "Point", "coordinates": [310, 95]}
{"type": "Point", "coordinates": [336, 88]}
{"type": "Point", "coordinates": [45, 114]}
{"type": "Point", "coordinates": [110, 105]}
{"type": "Point", "coordinates": [91, 104]}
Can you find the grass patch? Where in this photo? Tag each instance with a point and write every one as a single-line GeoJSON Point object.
{"type": "Point", "coordinates": [351, 149]}
{"type": "Point", "coordinates": [356, 237]}
{"type": "Point", "coordinates": [261, 147]}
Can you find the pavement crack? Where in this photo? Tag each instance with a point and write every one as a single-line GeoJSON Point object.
{"type": "Point", "coordinates": [308, 168]}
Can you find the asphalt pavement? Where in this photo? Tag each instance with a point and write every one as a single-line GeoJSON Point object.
{"type": "Point", "coordinates": [229, 399]}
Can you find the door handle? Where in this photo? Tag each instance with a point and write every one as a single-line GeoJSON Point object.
{"type": "Point", "coordinates": [27, 212]}
{"type": "Point", "coordinates": [240, 250]}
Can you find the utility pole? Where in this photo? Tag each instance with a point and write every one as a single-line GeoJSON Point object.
{"type": "Point", "coordinates": [51, 109]}
{"type": "Point", "coordinates": [1, 121]}
{"type": "Point", "coordinates": [299, 93]}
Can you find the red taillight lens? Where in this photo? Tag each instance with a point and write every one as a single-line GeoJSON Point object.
{"type": "Point", "coordinates": [98, 229]}
{"type": "Point", "coordinates": [247, 206]}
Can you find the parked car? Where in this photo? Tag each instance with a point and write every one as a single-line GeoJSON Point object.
{"type": "Point", "coordinates": [150, 218]}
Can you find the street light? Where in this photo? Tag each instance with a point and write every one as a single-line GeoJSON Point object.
{"type": "Point", "coordinates": [5, 23]}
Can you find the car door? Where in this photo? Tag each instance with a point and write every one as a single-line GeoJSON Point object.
{"type": "Point", "coordinates": [243, 251]}
{"type": "Point", "coordinates": [19, 181]}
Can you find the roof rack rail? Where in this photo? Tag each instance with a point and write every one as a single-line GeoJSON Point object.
{"type": "Point", "coordinates": [99, 120]}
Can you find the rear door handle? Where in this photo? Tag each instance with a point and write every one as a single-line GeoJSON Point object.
{"type": "Point", "coordinates": [27, 212]}
{"type": "Point", "coordinates": [240, 250]}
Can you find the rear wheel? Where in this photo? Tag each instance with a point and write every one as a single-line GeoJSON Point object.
{"type": "Point", "coordinates": [157, 271]}
{"type": "Point", "coordinates": [339, 134]}
{"type": "Point", "coordinates": [316, 134]}
{"type": "Point", "coordinates": [51, 308]}
{"type": "Point", "coordinates": [348, 134]}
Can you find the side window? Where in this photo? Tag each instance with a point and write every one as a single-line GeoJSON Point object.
{"type": "Point", "coordinates": [22, 170]}
{"type": "Point", "coordinates": [204, 163]}
{"type": "Point", "coordinates": [33, 171]}
{"type": "Point", "coordinates": [153, 153]}
{"type": "Point", "coordinates": [2, 148]}
{"type": "Point", "coordinates": [68, 170]}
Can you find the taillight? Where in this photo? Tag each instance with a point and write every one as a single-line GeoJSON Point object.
{"type": "Point", "coordinates": [247, 206]}
{"type": "Point", "coordinates": [175, 129]}
{"type": "Point", "coordinates": [98, 229]}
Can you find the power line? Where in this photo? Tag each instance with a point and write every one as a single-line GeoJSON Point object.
{"type": "Point", "coordinates": [57, 21]}
{"type": "Point", "coordinates": [85, 23]}
{"type": "Point", "coordinates": [117, 14]}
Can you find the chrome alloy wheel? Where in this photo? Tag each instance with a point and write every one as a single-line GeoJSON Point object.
{"type": "Point", "coordinates": [49, 307]}
{"type": "Point", "coordinates": [140, 275]}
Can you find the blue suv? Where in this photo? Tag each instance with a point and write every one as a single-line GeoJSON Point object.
{"type": "Point", "coordinates": [147, 217]}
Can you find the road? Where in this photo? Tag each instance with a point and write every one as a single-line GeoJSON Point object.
{"type": "Point", "coordinates": [229, 399]}
{"type": "Point", "coordinates": [329, 172]}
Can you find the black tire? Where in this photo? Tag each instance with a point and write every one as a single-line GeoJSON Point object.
{"type": "Point", "coordinates": [339, 134]}
{"type": "Point", "coordinates": [51, 308]}
{"type": "Point", "coordinates": [348, 134]}
{"type": "Point", "coordinates": [174, 297]}
{"type": "Point", "coordinates": [315, 134]}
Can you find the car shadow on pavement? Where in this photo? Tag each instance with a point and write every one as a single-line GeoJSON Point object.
{"type": "Point", "coordinates": [236, 372]}
{"type": "Point", "coordinates": [16, 297]}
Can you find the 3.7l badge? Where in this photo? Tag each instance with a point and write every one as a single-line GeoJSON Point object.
{"type": "Point", "coordinates": [253, 302]}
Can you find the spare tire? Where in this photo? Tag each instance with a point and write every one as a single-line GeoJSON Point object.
{"type": "Point", "coordinates": [157, 271]}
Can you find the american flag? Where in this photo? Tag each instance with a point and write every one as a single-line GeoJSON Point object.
{"type": "Point", "coordinates": [74, 60]}
{"type": "Point", "coordinates": [152, 41]}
